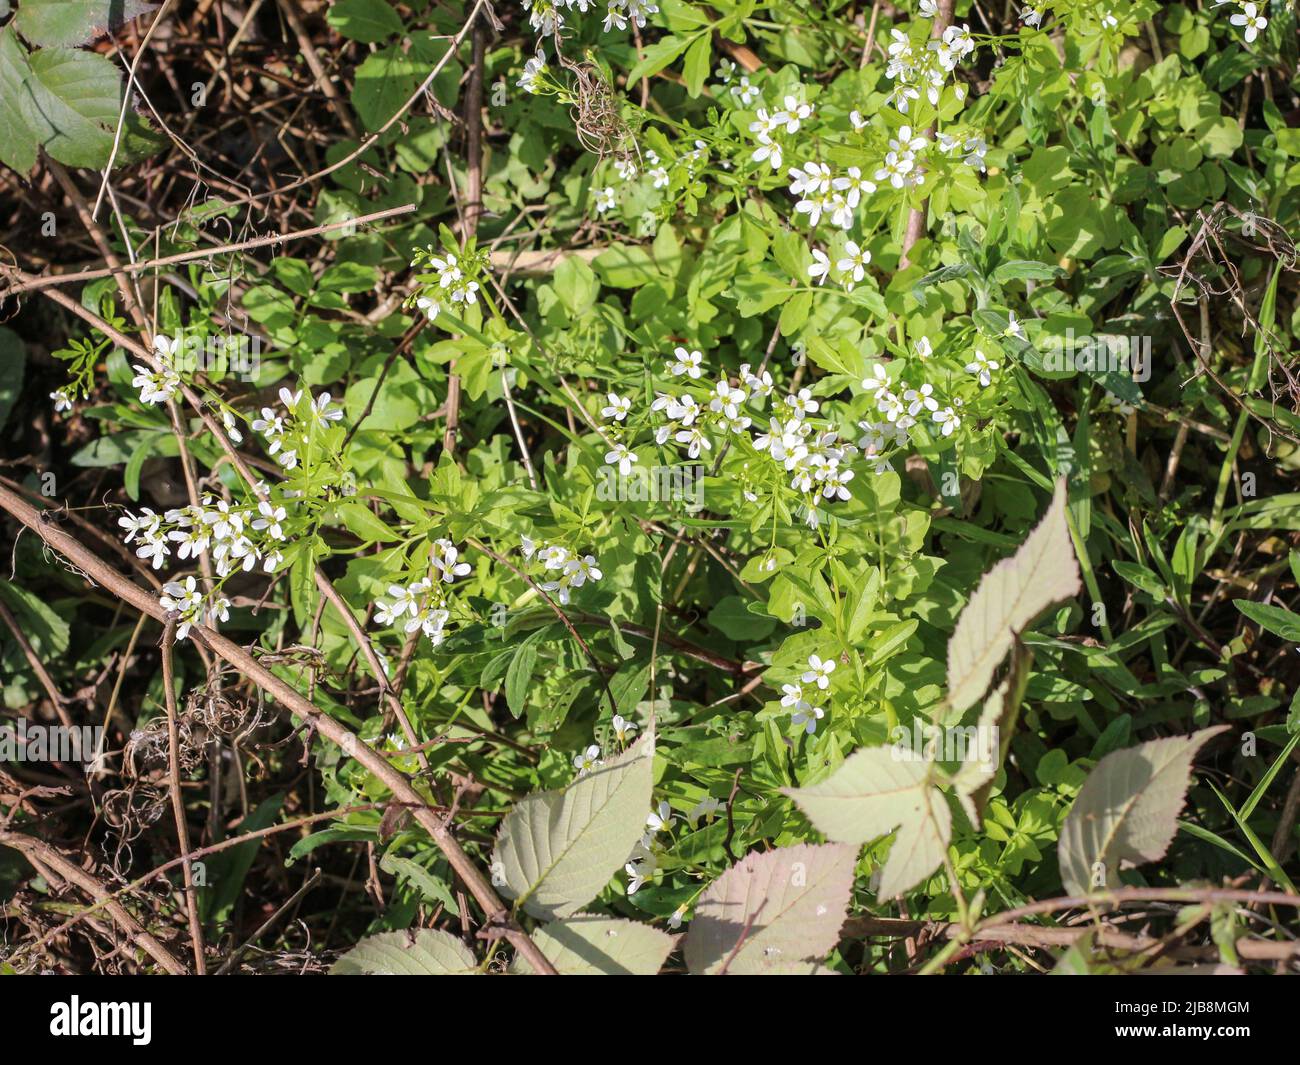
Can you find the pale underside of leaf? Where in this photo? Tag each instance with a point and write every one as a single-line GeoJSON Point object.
{"type": "Point", "coordinates": [1127, 810]}
{"type": "Point", "coordinates": [772, 911]}
{"type": "Point", "coordinates": [997, 721]}
{"type": "Point", "coordinates": [1042, 572]}
{"type": "Point", "coordinates": [557, 850]}
{"type": "Point", "coordinates": [589, 945]}
{"type": "Point", "coordinates": [426, 952]}
{"type": "Point", "coordinates": [69, 22]}
{"type": "Point", "coordinates": [878, 790]}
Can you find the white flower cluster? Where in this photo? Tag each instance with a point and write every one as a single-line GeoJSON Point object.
{"type": "Point", "coordinates": [916, 71]}
{"type": "Point", "coordinates": [815, 458]}
{"type": "Point", "coordinates": [234, 536]}
{"type": "Point", "coordinates": [900, 413]}
{"type": "Point", "coordinates": [767, 128]}
{"type": "Point", "coordinates": [691, 422]}
{"type": "Point", "coordinates": [192, 605]}
{"type": "Point", "coordinates": [1250, 18]}
{"type": "Point", "coordinates": [546, 19]}
{"type": "Point", "coordinates": [563, 571]}
{"type": "Point", "coordinates": [453, 287]}
{"type": "Point", "coordinates": [286, 433]}
{"type": "Point", "coordinates": [644, 859]}
{"type": "Point", "coordinates": [805, 713]}
{"type": "Point", "coordinates": [423, 604]}
{"type": "Point", "coordinates": [158, 386]}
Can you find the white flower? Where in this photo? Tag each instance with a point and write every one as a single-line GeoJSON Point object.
{"type": "Point", "coordinates": [604, 200]}
{"type": "Point", "coordinates": [771, 151]}
{"type": "Point", "coordinates": [854, 186]}
{"type": "Point", "coordinates": [660, 819]}
{"type": "Point", "coordinates": [821, 266]}
{"type": "Point", "coordinates": [982, 367]}
{"type": "Point", "coordinates": [819, 671]}
{"type": "Point", "coordinates": [676, 917]}
{"type": "Point", "coordinates": [581, 570]}
{"type": "Point", "coordinates": [706, 808]}
{"type": "Point", "coordinates": [156, 387]}
{"type": "Point", "coordinates": [907, 143]}
{"type": "Point", "coordinates": [615, 19]}
{"type": "Point", "coordinates": [854, 264]}
{"type": "Point", "coordinates": [918, 399]}
{"type": "Point", "coordinates": [616, 407]}
{"type": "Point", "coordinates": [744, 91]}
{"type": "Point", "coordinates": [895, 169]}
{"type": "Point", "coordinates": [429, 307]}
{"type": "Point", "coordinates": [929, 8]}
{"type": "Point", "coordinates": [62, 401]}
{"type": "Point", "coordinates": [637, 875]}
{"type": "Point", "coordinates": [878, 381]}
{"type": "Point", "coordinates": [727, 399]}
{"type": "Point", "coordinates": [270, 519]}
{"type": "Point", "coordinates": [1031, 16]}
{"type": "Point", "coordinates": [808, 718]}
{"type": "Point", "coordinates": [621, 456]}
{"type": "Point", "coordinates": [660, 177]}
{"type": "Point", "coordinates": [624, 730]}
{"type": "Point", "coordinates": [533, 70]}
{"type": "Point", "coordinates": [794, 113]}
{"type": "Point", "coordinates": [445, 561]}
{"type": "Point", "coordinates": [688, 362]}
{"type": "Point", "coordinates": [802, 403]}
{"type": "Point", "coordinates": [834, 482]}
{"type": "Point", "coordinates": [184, 598]}
{"type": "Point", "coordinates": [1014, 328]}
{"type": "Point", "coordinates": [231, 427]}
{"type": "Point", "coordinates": [1252, 20]}
{"type": "Point", "coordinates": [587, 760]}
{"type": "Point", "coordinates": [947, 420]}
{"type": "Point", "coordinates": [792, 697]}
{"type": "Point", "coordinates": [975, 149]}
{"type": "Point", "coordinates": [323, 412]}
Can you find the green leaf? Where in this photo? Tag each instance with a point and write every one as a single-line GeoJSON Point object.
{"type": "Point", "coordinates": [520, 673]}
{"type": "Point", "coordinates": [1127, 811]}
{"type": "Point", "coordinates": [384, 82]}
{"type": "Point", "coordinates": [556, 850]}
{"type": "Point", "coordinates": [359, 520]}
{"type": "Point", "coordinates": [18, 143]}
{"type": "Point", "coordinates": [733, 619]}
{"type": "Point", "coordinates": [1275, 619]}
{"type": "Point", "coordinates": [69, 22]}
{"type": "Point", "coordinates": [1041, 573]}
{"type": "Point", "coordinates": [422, 952]}
{"type": "Point", "coordinates": [875, 791]}
{"type": "Point", "coordinates": [778, 911]}
{"type": "Point", "coordinates": [13, 362]}
{"type": "Point", "coordinates": [695, 70]}
{"type": "Point", "coordinates": [658, 56]}
{"type": "Point", "coordinates": [625, 266]}
{"type": "Point", "coordinates": [69, 101]}
{"type": "Point", "coordinates": [589, 945]}
{"type": "Point", "coordinates": [368, 21]}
